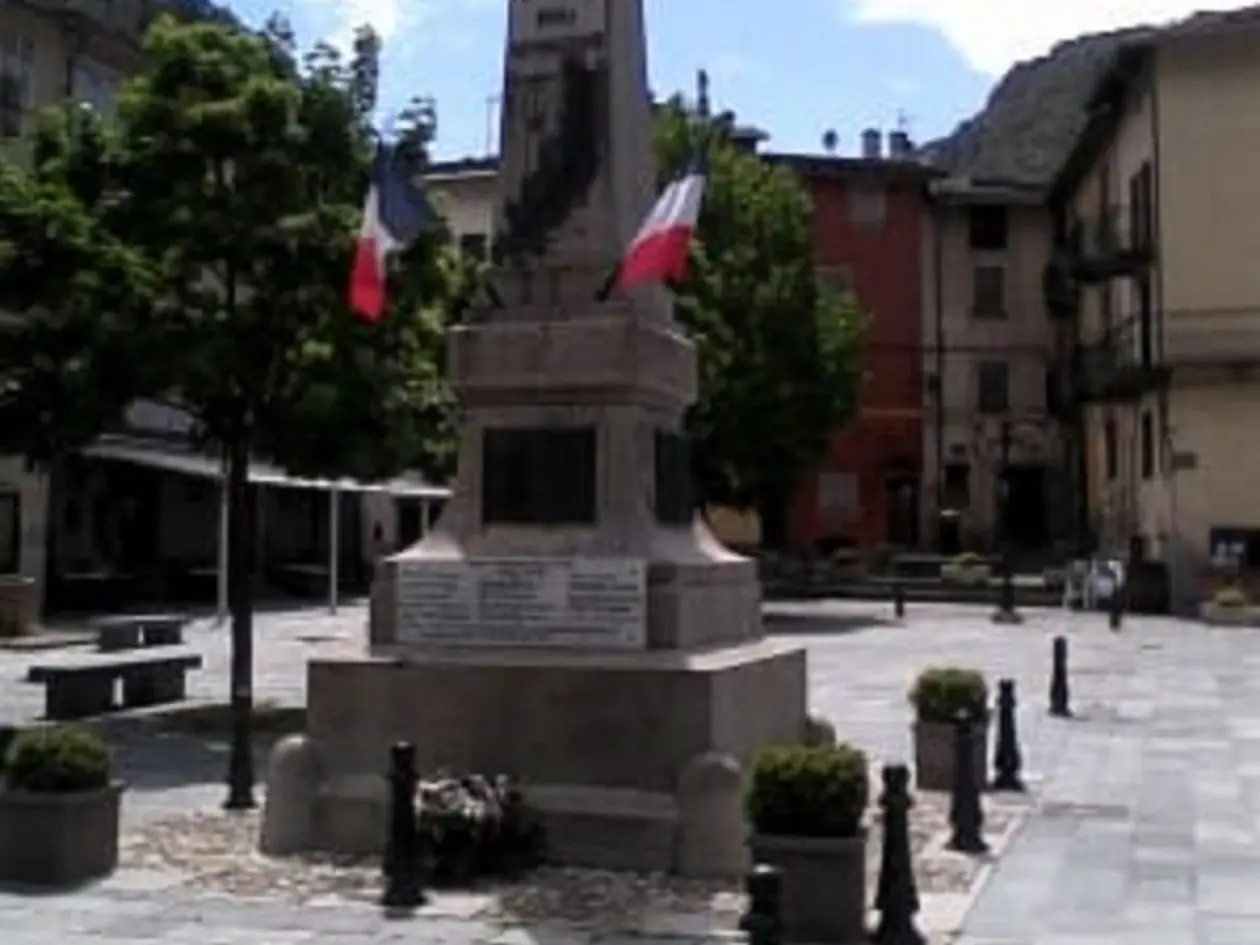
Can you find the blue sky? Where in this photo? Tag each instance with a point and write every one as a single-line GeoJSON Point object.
{"type": "Point", "coordinates": [793, 67]}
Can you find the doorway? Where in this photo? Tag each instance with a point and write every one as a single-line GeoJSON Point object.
{"type": "Point", "coordinates": [1025, 512]}
{"type": "Point", "coordinates": [901, 511]}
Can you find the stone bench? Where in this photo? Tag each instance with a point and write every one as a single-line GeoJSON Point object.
{"type": "Point", "coordinates": [85, 686]}
{"type": "Point", "coordinates": [132, 631]}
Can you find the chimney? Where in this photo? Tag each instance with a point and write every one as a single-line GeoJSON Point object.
{"type": "Point", "coordinates": [899, 146]}
{"type": "Point", "coordinates": [872, 144]}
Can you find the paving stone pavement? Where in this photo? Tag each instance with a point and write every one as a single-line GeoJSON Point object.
{"type": "Point", "coordinates": [1145, 830]}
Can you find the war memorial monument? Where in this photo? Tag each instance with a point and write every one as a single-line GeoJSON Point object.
{"type": "Point", "coordinates": [570, 620]}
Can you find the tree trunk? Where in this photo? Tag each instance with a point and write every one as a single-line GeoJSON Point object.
{"type": "Point", "coordinates": [241, 605]}
{"type": "Point", "coordinates": [773, 515]}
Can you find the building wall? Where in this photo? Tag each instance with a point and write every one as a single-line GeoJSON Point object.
{"type": "Point", "coordinates": [1121, 502]}
{"type": "Point", "coordinates": [1209, 147]}
{"type": "Point", "coordinates": [35, 49]}
{"type": "Point", "coordinates": [957, 342]}
{"type": "Point", "coordinates": [1194, 119]}
{"type": "Point", "coordinates": [468, 203]}
{"type": "Point", "coordinates": [876, 255]}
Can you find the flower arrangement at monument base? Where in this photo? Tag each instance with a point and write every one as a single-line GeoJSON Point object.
{"type": "Point", "coordinates": [474, 827]}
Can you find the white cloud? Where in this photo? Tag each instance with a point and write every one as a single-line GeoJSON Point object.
{"type": "Point", "coordinates": [992, 34]}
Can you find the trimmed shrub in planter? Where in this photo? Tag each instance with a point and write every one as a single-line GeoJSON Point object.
{"type": "Point", "coordinates": [58, 809]}
{"type": "Point", "coordinates": [471, 828]}
{"type": "Point", "coordinates": [1230, 607]}
{"type": "Point", "coordinates": [939, 694]}
{"type": "Point", "coordinates": [807, 805]}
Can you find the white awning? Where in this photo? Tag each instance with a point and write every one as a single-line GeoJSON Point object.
{"type": "Point", "coordinates": [172, 459]}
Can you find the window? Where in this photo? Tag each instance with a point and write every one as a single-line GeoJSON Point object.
{"type": "Point", "coordinates": [1141, 208]}
{"type": "Point", "coordinates": [1052, 399]}
{"type": "Point", "coordinates": [10, 532]}
{"type": "Point", "coordinates": [17, 66]}
{"type": "Point", "coordinates": [474, 245]}
{"type": "Point", "coordinates": [988, 288]}
{"type": "Point", "coordinates": [867, 206]}
{"type": "Point", "coordinates": [1111, 450]}
{"type": "Point", "coordinates": [992, 387]}
{"type": "Point", "coordinates": [838, 496]}
{"type": "Point", "coordinates": [987, 227]}
{"type": "Point", "coordinates": [957, 487]}
{"type": "Point", "coordinates": [92, 85]}
{"type": "Point", "coordinates": [1148, 446]}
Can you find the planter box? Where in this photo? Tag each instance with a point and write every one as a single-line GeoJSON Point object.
{"type": "Point", "coordinates": [934, 755]}
{"type": "Point", "coordinates": [17, 605]}
{"type": "Point", "coordinates": [58, 839]}
{"type": "Point", "coordinates": [824, 886]}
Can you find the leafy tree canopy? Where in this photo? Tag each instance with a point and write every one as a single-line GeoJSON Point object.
{"type": "Point", "coordinates": [196, 252]}
{"type": "Point", "coordinates": [777, 349]}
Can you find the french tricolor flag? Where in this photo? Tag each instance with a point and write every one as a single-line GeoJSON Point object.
{"type": "Point", "coordinates": [659, 251]}
{"type": "Point", "coordinates": [395, 214]}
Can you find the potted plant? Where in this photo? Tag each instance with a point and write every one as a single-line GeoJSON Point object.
{"type": "Point", "coordinates": [58, 808]}
{"type": "Point", "coordinates": [966, 568]}
{"type": "Point", "coordinates": [806, 804]}
{"type": "Point", "coordinates": [938, 696]}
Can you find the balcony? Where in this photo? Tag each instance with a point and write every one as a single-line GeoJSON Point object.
{"type": "Point", "coordinates": [1116, 243]}
{"type": "Point", "coordinates": [1120, 366]}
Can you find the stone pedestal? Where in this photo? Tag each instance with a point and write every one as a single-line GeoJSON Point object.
{"type": "Point", "coordinates": [598, 740]}
{"type": "Point", "coordinates": [17, 604]}
{"type": "Point", "coordinates": [569, 621]}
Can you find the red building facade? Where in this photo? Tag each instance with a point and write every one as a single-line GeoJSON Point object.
{"type": "Point", "coordinates": [869, 221]}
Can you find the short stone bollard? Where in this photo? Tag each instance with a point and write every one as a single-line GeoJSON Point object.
{"type": "Point", "coordinates": [711, 829]}
{"type": "Point", "coordinates": [294, 774]}
{"type": "Point", "coordinates": [966, 814]}
{"type": "Point", "coordinates": [1007, 761]}
{"type": "Point", "coordinates": [404, 888]}
{"type": "Point", "coordinates": [763, 922]}
{"type": "Point", "coordinates": [1059, 679]}
{"type": "Point", "coordinates": [897, 895]}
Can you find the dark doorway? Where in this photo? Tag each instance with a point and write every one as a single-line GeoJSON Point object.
{"type": "Point", "coordinates": [901, 510]}
{"type": "Point", "coordinates": [1025, 513]}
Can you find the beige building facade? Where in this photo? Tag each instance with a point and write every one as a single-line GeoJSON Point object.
{"type": "Point", "coordinates": [989, 349]}
{"type": "Point", "coordinates": [1159, 221]}
{"type": "Point", "coordinates": [51, 50]}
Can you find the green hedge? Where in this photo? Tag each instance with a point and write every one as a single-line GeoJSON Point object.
{"type": "Point", "coordinates": [809, 791]}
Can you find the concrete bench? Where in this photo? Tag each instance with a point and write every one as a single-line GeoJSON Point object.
{"type": "Point", "coordinates": [85, 686]}
{"type": "Point", "coordinates": [131, 631]}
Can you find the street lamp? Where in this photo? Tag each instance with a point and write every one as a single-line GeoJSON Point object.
{"type": "Point", "coordinates": [1006, 612]}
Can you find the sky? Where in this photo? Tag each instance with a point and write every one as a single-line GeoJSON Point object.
{"type": "Point", "coordinates": [795, 68]}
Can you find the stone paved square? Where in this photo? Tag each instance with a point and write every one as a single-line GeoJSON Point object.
{"type": "Point", "coordinates": [1145, 826]}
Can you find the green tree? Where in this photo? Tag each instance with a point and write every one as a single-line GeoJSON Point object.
{"type": "Point", "coordinates": [196, 253]}
{"type": "Point", "coordinates": [776, 348]}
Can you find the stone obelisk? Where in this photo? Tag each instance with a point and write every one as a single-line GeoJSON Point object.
{"type": "Point", "coordinates": [570, 620]}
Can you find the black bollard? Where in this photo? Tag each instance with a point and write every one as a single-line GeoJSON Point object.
{"type": "Point", "coordinates": [966, 815]}
{"type": "Point", "coordinates": [1115, 607]}
{"type": "Point", "coordinates": [899, 598]}
{"type": "Point", "coordinates": [1006, 756]}
{"type": "Point", "coordinates": [897, 896]}
{"type": "Point", "coordinates": [1059, 679]}
{"type": "Point", "coordinates": [763, 922]}
{"type": "Point", "coordinates": [403, 885]}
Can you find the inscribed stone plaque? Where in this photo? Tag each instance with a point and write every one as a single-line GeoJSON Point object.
{"type": "Point", "coordinates": [544, 602]}
{"type": "Point", "coordinates": [675, 497]}
{"type": "Point", "coordinates": [538, 476]}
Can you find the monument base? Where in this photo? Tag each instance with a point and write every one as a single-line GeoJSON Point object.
{"type": "Point", "coordinates": [598, 740]}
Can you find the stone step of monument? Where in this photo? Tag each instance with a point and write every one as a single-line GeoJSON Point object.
{"type": "Point", "coordinates": [606, 828]}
